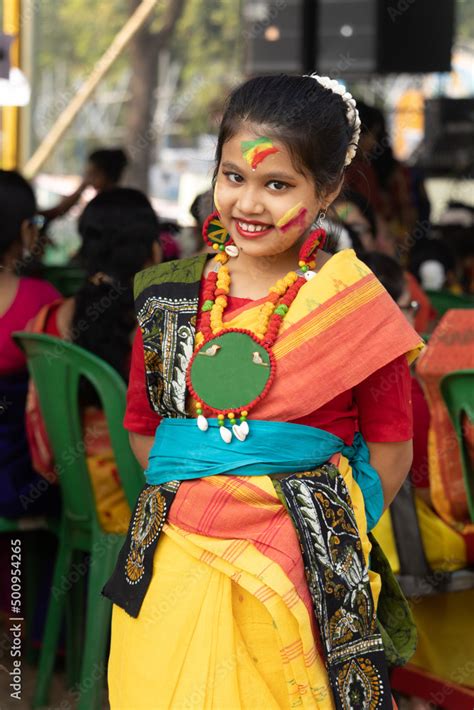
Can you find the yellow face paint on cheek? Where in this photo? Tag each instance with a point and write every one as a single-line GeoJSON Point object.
{"type": "Point", "coordinates": [255, 151]}
{"type": "Point", "coordinates": [294, 217]}
{"type": "Point", "coordinates": [216, 202]}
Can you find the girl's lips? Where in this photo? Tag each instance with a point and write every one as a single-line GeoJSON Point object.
{"type": "Point", "coordinates": [252, 234]}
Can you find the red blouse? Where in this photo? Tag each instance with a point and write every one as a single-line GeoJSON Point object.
{"type": "Point", "coordinates": [421, 423]}
{"type": "Point", "coordinates": [380, 406]}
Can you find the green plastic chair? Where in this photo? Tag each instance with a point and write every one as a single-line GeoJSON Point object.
{"type": "Point", "coordinates": [444, 301]}
{"type": "Point", "coordinates": [30, 530]}
{"type": "Point", "coordinates": [67, 279]}
{"type": "Point", "coordinates": [457, 389]}
{"type": "Point", "coordinates": [56, 367]}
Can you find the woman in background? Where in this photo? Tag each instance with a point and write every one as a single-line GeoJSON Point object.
{"type": "Point", "coordinates": [119, 231]}
{"type": "Point", "coordinates": [104, 170]}
{"type": "Point", "coordinates": [445, 638]}
{"type": "Point", "coordinates": [20, 300]}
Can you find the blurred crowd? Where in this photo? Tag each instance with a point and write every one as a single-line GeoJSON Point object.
{"type": "Point", "coordinates": [383, 213]}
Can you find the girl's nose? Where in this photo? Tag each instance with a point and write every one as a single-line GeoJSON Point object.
{"type": "Point", "coordinates": [249, 202]}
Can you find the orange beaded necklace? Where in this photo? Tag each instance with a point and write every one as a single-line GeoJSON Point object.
{"type": "Point", "coordinates": [233, 368]}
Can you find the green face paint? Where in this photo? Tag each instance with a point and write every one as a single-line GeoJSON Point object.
{"type": "Point", "coordinates": [257, 150]}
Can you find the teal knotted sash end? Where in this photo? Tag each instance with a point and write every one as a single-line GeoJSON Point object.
{"type": "Point", "coordinates": [183, 452]}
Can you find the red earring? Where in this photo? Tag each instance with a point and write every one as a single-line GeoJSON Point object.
{"type": "Point", "coordinates": [315, 241]}
{"type": "Point", "coordinates": [215, 235]}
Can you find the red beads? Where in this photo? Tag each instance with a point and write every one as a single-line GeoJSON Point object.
{"type": "Point", "coordinates": [315, 241]}
{"type": "Point", "coordinates": [276, 319]}
{"type": "Point", "coordinates": [280, 297]}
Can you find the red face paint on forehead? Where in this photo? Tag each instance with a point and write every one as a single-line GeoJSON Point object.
{"type": "Point", "coordinates": [257, 150]}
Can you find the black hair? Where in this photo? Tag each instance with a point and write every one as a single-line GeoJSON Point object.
{"type": "Point", "coordinates": [371, 118]}
{"type": "Point", "coordinates": [118, 229]}
{"type": "Point", "coordinates": [381, 157]}
{"type": "Point", "coordinates": [355, 240]}
{"type": "Point", "coordinates": [387, 270]}
{"type": "Point", "coordinates": [364, 206]}
{"type": "Point", "coordinates": [111, 161]}
{"type": "Point", "coordinates": [456, 205]}
{"type": "Point", "coordinates": [17, 204]}
{"type": "Point", "coordinates": [202, 207]}
{"type": "Point", "coordinates": [296, 110]}
{"type": "Point", "coordinates": [431, 249]}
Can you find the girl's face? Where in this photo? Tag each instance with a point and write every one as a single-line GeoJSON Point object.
{"type": "Point", "coordinates": [264, 202]}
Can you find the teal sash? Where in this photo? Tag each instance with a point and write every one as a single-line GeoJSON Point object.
{"type": "Point", "coordinates": [182, 452]}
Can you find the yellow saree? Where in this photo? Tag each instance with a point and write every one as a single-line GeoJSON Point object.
{"type": "Point", "coordinates": [227, 620]}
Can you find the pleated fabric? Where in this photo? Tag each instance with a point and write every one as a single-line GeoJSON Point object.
{"type": "Point", "coordinates": [227, 621]}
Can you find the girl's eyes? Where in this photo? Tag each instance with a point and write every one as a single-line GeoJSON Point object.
{"type": "Point", "coordinates": [234, 177]}
{"type": "Point", "coordinates": [274, 185]}
{"type": "Point", "coordinates": [278, 186]}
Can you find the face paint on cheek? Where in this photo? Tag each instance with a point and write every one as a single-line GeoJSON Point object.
{"type": "Point", "coordinates": [295, 217]}
{"type": "Point", "coordinates": [255, 151]}
{"type": "Point", "coordinates": [216, 202]}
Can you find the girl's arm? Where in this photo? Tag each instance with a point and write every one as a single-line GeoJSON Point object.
{"type": "Point", "coordinates": [140, 420]}
{"type": "Point", "coordinates": [141, 447]}
{"type": "Point", "coordinates": [392, 461]}
{"type": "Point", "coordinates": [384, 402]}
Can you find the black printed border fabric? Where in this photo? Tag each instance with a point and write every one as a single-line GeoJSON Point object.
{"type": "Point", "coordinates": [129, 582]}
{"type": "Point", "coordinates": [338, 581]}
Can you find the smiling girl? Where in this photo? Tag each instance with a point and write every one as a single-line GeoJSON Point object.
{"type": "Point", "coordinates": [269, 404]}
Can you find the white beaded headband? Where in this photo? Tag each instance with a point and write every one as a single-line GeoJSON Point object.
{"type": "Point", "coordinates": [351, 111]}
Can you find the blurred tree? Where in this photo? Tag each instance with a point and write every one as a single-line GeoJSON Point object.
{"type": "Point", "coordinates": [144, 51]}
{"type": "Point", "coordinates": [70, 37]}
{"type": "Point", "coordinates": [202, 40]}
{"type": "Point", "coordinates": [465, 20]}
{"type": "Point", "coordinates": [208, 44]}
{"type": "Point", "coordinates": [76, 33]}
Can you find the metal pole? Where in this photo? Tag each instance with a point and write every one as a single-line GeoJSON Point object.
{"type": "Point", "coordinates": [64, 120]}
{"type": "Point", "coordinates": [11, 114]}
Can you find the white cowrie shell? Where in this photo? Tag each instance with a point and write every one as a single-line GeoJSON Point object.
{"type": "Point", "coordinates": [202, 423]}
{"type": "Point", "coordinates": [244, 427]}
{"type": "Point", "coordinates": [231, 250]}
{"type": "Point", "coordinates": [238, 433]}
{"type": "Point", "coordinates": [226, 434]}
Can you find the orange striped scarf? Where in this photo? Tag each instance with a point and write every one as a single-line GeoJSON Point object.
{"type": "Point", "coordinates": [342, 327]}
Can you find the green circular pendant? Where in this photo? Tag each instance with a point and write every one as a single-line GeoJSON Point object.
{"type": "Point", "coordinates": [231, 371]}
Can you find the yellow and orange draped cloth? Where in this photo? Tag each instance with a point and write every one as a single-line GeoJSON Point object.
{"type": "Point", "coordinates": [113, 510]}
{"type": "Point", "coordinates": [451, 348]}
{"type": "Point", "coordinates": [444, 621]}
{"type": "Point", "coordinates": [227, 620]}
{"type": "Point", "coordinates": [446, 528]}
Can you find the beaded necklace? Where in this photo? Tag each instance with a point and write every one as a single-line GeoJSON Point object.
{"type": "Point", "coordinates": [233, 368]}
